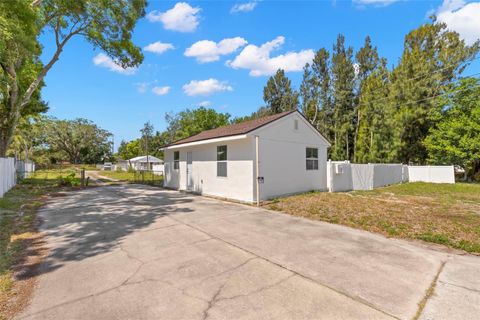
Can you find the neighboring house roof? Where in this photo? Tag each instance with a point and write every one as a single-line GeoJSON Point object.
{"type": "Point", "coordinates": [233, 129]}
{"type": "Point", "coordinates": [151, 159]}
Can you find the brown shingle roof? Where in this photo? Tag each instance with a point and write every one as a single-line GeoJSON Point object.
{"type": "Point", "coordinates": [232, 130]}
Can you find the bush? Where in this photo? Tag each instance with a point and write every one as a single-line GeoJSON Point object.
{"type": "Point", "coordinates": [476, 177]}
{"type": "Point", "coordinates": [68, 181]}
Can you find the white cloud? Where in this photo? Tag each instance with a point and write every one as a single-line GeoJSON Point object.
{"type": "Point", "coordinates": [209, 51]}
{"type": "Point", "coordinates": [259, 62]}
{"type": "Point", "coordinates": [380, 3]}
{"type": "Point", "coordinates": [142, 87]}
{"type": "Point", "coordinates": [204, 104]}
{"type": "Point", "coordinates": [159, 47]}
{"type": "Point", "coordinates": [102, 60]}
{"type": "Point", "coordinates": [461, 17]}
{"type": "Point", "coordinates": [160, 91]}
{"type": "Point", "coordinates": [182, 17]}
{"type": "Point", "coordinates": [244, 7]}
{"type": "Point", "coordinates": [205, 87]}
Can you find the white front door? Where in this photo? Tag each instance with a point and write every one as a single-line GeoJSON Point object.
{"type": "Point", "coordinates": [189, 171]}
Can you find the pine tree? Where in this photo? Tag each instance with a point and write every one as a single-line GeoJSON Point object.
{"type": "Point", "coordinates": [431, 60]}
{"type": "Point", "coordinates": [315, 92]}
{"type": "Point", "coordinates": [367, 61]}
{"type": "Point", "coordinates": [343, 76]}
{"type": "Point", "coordinates": [278, 93]}
{"type": "Point", "coordinates": [376, 140]}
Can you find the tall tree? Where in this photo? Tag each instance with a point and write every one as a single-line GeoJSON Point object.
{"type": "Point", "coordinates": [343, 77]}
{"type": "Point", "coordinates": [80, 140]}
{"type": "Point", "coordinates": [432, 58]}
{"type": "Point", "coordinates": [147, 135]}
{"type": "Point", "coordinates": [129, 150]}
{"type": "Point", "coordinates": [367, 61]}
{"type": "Point", "coordinates": [456, 138]}
{"type": "Point", "coordinates": [19, 64]}
{"type": "Point", "coordinates": [315, 91]}
{"type": "Point", "coordinates": [376, 123]}
{"type": "Point", "coordinates": [278, 93]}
{"type": "Point", "coordinates": [106, 25]}
{"type": "Point", "coordinates": [29, 136]}
{"type": "Point", "coordinates": [190, 122]}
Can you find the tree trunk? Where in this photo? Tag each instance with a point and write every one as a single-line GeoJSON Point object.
{"type": "Point", "coordinates": [3, 146]}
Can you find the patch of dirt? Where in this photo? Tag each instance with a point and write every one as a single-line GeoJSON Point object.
{"type": "Point", "coordinates": [25, 275]}
{"type": "Point", "coordinates": [432, 219]}
{"type": "Point", "coordinates": [58, 194]}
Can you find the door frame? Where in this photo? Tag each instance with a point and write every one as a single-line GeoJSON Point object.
{"type": "Point", "coordinates": [189, 173]}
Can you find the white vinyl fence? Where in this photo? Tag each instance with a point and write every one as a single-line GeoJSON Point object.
{"type": "Point", "coordinates": [435, 174]}
{"type": "Point", "coordinates": [346, 176]}
{"type": "Point", "coordinates": [158, 169]}
{"type": "Point", "coordinates": [7, 175]}
{"type": "Point", "coordinates": [24, 168]}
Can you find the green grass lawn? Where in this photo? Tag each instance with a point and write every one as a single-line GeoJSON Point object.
{"type": "Point", "coordinates": [447, 214]}
{"type": "Point", "coordinates": [134, 177]}
{"type": "Point", "coordinates": [119, 175]}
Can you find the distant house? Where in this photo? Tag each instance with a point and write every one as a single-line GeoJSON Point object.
{"type": "Point", "coordinates": [145, 163]}
{"type": "Point", "coordinates": [258, 159]}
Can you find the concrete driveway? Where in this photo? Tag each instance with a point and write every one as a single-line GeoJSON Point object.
{"type": "Point", "coordinates": [135, 252]}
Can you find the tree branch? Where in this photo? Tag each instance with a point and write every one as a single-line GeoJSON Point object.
{"type": "Point", "coordinates": [57, 31]}
{"type": "Point", "coordinates": [34, 85]}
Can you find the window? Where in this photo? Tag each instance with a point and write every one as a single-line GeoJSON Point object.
{"type": "Point", "coordinates": [176, 160]}
{"type": "Point", "coordinates": [295, 124]}
{"type": "Point", "coordinates": [312, 158]}
{"type": "Point", "coordinates": [221, 161]}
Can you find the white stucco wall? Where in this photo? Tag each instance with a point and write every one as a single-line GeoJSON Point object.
{"type": "Point", "coordinates": [283, 160]}
{"type": "Point", "coordinates": [238, 183]}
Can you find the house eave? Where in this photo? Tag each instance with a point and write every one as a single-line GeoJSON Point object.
{"type": "Point", "coordinates": [207, 141]}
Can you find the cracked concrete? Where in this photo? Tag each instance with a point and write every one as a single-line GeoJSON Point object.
{"type": "Point", "coordinates": [135, 252]}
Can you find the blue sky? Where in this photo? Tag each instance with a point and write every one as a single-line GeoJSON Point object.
{"type": "Point", "coordinates": [183, 70]}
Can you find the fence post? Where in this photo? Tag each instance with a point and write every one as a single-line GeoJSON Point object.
{"type": "Point", "coordinates": [82, 177]}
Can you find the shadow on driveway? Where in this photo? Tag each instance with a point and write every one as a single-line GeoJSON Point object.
{"type": "Point", "coordinates": [94, 221]}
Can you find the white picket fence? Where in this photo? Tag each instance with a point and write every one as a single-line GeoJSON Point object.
{"type": "Point", "coordinates": [8, 177]}
{"type": "Point", "coordinates": [346, 176]}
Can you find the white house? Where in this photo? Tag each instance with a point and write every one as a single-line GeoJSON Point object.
{"type": "Point", "coordinates": [145, 162]}
{"type": "Point", "coordinates": [258, 159]}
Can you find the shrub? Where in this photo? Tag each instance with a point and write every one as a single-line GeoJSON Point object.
{"type": "Point", "coordinates": [68, 181]}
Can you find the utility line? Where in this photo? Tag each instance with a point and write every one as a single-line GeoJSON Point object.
{"type": "Point", "coordinates": [425, 75]}
{"type": "Point", "coordinates": [386, 98]}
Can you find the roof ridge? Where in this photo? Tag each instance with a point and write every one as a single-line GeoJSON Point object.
{"type": "Point", "coordinates": [242, 128]}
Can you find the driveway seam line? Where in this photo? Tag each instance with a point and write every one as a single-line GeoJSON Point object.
{"type": "Point", "coordinates": [356, 299]}
{"type": "Point", "coordinates": [429, 293]}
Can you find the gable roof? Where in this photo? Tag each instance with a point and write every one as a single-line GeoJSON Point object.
{"type": "Point", "coordinates": [233, 129]}
{"type": "Point", "coordinates": [145, 159]}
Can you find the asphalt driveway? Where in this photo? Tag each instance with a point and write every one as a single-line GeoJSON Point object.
{"type": "Point", "coordinates": [135, 252]}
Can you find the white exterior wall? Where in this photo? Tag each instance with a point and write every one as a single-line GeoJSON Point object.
{"type": "Point", "coordinates": [282, 158]}
{"type": "Point", "coordinates": [435, 174]}
{"type": "Point", "coordinates": [239, 181]}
